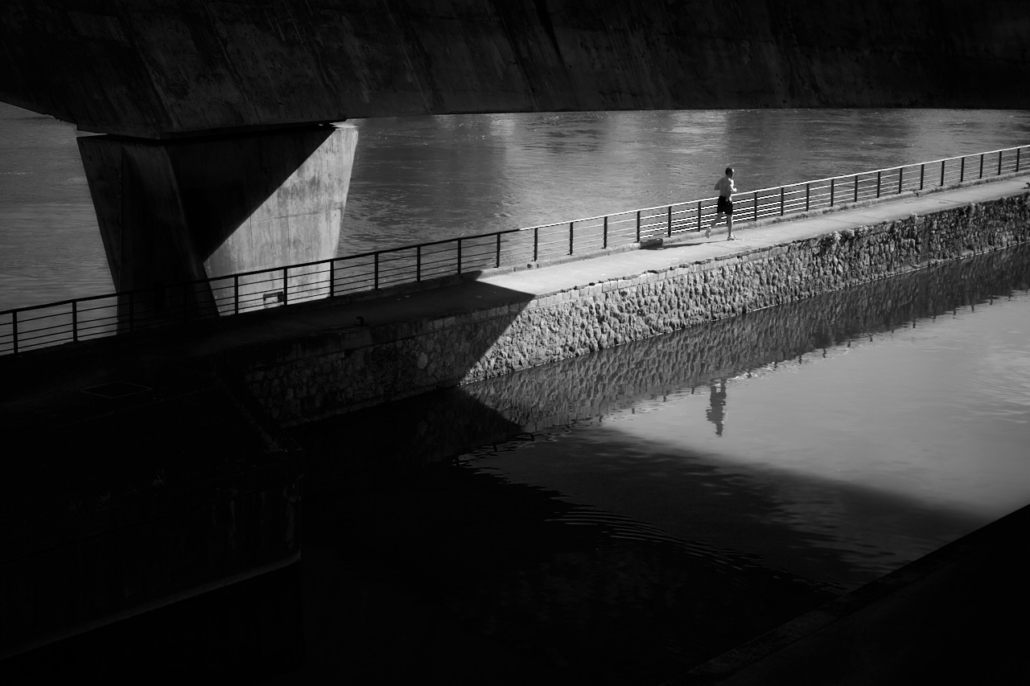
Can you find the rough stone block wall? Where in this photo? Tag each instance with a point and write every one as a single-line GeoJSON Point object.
{"type": "Point", "coordinates": [628, 376]}
{"type": "Point", "coordinates": [342, 372]}
{"type": "Point", "coordinates": [598, 316]}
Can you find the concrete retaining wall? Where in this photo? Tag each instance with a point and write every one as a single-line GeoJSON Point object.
{"type": "Point", "coordinates": [629, 376]}
{"type": "Point", "coordinates": [360, 367]}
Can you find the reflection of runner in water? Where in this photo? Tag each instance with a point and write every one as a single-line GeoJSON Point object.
{"type": "Point", "coordinates": [717, 399]}
{"type": "Point", "coordinates": [726, 190]}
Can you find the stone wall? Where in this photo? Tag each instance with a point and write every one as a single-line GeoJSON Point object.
{"type": "Point", "coordinates": [415, 432]}
{"type": "Point", "coordinates": [691, 359]}
{"type": "Point", "coordinates": [601, 315]}
{"type": "Point", "coordinates": [349, 370]}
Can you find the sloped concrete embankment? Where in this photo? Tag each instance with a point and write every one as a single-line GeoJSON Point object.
{"type": "Point", "coordinates": [353, 368]}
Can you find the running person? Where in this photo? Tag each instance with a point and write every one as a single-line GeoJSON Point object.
{"type": "Point", "coordinates": [726, 190]}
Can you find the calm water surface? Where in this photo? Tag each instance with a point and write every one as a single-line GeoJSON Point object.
{"type": "Point", "coordinates": [840, 464]}
{"type": "Point", "coordinates": [638, 510]}
{"type": "Point", "coordinates": [424, 178]}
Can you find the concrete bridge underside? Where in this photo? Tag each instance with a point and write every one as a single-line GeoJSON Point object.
{"type": "Point", "coordinates": [168, 68]}
{"type": "Point", "coordinates": [219, 158]}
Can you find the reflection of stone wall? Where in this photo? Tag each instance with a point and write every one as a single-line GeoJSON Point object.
{"type": "Point", "coordinates": [409, 435]}
{"type": "Point", "coordinates": [620, 377]}
{"type": "Point", "coordinates": [343, 371]}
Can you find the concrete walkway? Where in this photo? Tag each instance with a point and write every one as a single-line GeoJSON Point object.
{"type": "Point", "coordinates": [187, 403]}
{"type": "Point", "coordinates": [748, 236]}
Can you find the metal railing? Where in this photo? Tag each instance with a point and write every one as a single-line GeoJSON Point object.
{"type": "Point", "coordinates": [128, 312]}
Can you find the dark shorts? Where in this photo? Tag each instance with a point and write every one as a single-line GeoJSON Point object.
{"type": "Point", "coordinates": [725, 205]}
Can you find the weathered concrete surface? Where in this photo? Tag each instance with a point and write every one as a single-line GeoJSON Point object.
{"type": "Point", "coordinates": [953, 616]}
{"type": "Point", "coordinates": [185, 210]}
{"type": "Point", "coordinates": [115, 505]}
{"type": "Point", "coordinates": [177, 67]}
{"type": "Point", "coordinates": [132, 479]}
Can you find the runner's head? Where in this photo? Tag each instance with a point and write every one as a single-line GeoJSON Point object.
{"type": "Point", "coordinates": [729, 172]}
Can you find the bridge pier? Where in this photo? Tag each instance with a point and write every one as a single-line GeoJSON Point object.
{"type": "Point", "coordinates": [206, 207]}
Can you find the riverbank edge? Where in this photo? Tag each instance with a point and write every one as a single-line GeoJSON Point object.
{"type": "Point", "coordinates": [937, 616]}
{"type": "Point", "coordinates": [494, 329]}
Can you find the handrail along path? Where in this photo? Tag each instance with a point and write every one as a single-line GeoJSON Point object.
{"type": "Point", "coordinates": [136, 311]}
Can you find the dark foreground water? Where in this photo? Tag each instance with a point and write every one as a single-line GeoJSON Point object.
{"type": "Point", "coordinates": [621, 517]}
{"type": "Point", "coordinates": [641, 509]}
{"type": "Point", "coordinates": [426, 178]}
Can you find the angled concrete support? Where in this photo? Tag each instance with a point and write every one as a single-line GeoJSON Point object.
{"type": "Point", "coordinates": [203, 208]}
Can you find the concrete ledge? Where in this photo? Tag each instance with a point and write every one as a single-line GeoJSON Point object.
{"type": "Point", "coordinates": [970, 584]}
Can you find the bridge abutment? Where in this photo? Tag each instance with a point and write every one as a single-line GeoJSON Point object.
{"type": "Point", "coordinates": [204, 208]}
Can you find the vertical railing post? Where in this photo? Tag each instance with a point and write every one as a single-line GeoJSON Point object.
{"type": "Point", "coordinates": [286, 286]}
{"type": "Point", "coordinates": [856, 187]}
{"type": "Point", "coordinates": [235, 294]}
{"type": "Point", "coordinates": [781, 201]}
{"type": "Point", "coordinates": [14, 331]}
{"type": "Point", "coordinates": [981, 165]}
{"type": "Point", "coordinates": [571, 233]}
{"type": "Point", "coordinates": [922, 172]}
{"type": "Point", "coordinates": [901, 171]}
{"type": "Point", "coordinates": [75, 321]}
{"type": "Point", "coordinates": [942, 172]}
{"type": "Point", "coordinates": [962, 170]}
{"type": "Point", "coordinates": [418, 263]}
{"type": "Point", "coordinates": [999, 161]}
{"type": "Point", "coordinates": [332, 278]}
{"type": "Point", "coordinates": [698, 215]}
{"type": "Point", "coordinates": [670, 222]}
{"type": "Point", "coordinates": [459, 255]}
{"type": "Point", "coordinates": [375, 272]}
{"type": "Point", "coordinates": [832, 184]}
{"type": "Point", "coordinates": [536, 242]}
{"type": "Point", "coordinates": [808, 195]}
{"type": "Point", "coordinates": [1018, 150]}
{"type": "Point", "coordinates": [878, 176]}
{"type": "Point", "coordinates": [638, 226]}
{"type": "Point", "coordinates": [604, 244]}
{"type": "Point", "coordinates": [497, 262]}
{"type": "Point", "coordinates": [756, 205]}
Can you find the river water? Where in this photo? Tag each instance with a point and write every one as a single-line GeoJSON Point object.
{"type": "Point", "coordinates": [878, 440]}
{"type": "Point", "coordinates": [425, 178]}
{"type": "Point", "coordinates": [622, 516]}
{"type": "Point", "coordinates": [629, 513]}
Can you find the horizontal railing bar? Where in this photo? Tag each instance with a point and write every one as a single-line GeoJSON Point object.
{"type": "Point", "coordinates": [29, 337]}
